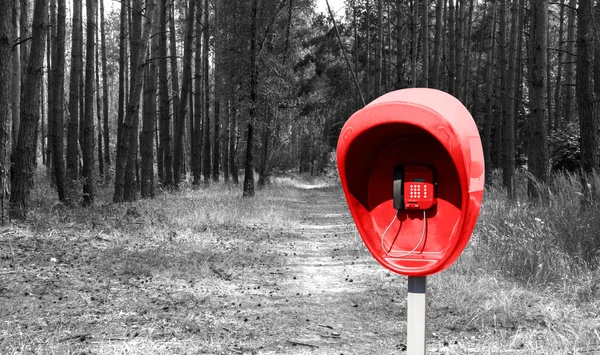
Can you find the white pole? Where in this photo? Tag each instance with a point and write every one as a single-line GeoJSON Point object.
{"type": "Point", "coordinates": [415, 326]}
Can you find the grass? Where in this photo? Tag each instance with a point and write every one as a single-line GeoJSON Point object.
{"type": "Point", "coordinates": [208, 272]}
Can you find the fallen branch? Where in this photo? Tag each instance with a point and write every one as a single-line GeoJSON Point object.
{"type": "Point", "coordinates": [81, 337]}
{"type": "Point", "coordinates": [303, 344]}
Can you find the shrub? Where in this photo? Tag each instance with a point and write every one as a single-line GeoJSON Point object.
{"type": "Point", "coordinates": [565, 154]}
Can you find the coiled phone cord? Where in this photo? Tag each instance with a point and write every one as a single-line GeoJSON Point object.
{"type": "Point", "coordinates": [390, 225]}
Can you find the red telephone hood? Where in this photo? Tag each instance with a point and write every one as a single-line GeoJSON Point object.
{"type": "Point", "coordinates": [412, 127]}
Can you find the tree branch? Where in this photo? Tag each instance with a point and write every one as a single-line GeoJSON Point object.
{"type": "Point", "coordinates": [337, 33]}
{"type": "Point", "coordinates": [514, 98]}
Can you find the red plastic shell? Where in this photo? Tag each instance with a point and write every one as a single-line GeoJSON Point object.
{"type": "Point", "coordinates": [413, 127]}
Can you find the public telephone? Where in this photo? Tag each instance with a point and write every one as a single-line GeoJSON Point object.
{"type": "Point", "coordinates": [414, 187]}
{"type": "Point", "coordinates": [414, 190]}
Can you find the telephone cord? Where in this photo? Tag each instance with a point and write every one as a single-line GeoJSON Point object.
{"type": "Point", "coordinates": [414, 249]}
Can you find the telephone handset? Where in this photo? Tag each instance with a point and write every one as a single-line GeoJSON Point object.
{"type": "Point", "coordinates": [414, 187]}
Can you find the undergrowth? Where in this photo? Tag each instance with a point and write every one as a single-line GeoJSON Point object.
{"type": "Point", "coordinates": [550, 241]}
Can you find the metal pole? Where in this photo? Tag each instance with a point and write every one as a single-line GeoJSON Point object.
{"type": "Point", "coordinates": [415, 326]}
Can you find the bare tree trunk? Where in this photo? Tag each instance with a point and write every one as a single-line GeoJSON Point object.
{"type": "Point", "coordinates": [467, 60]}
{"type": "Point", "coordinates": [549, 111]}
{"type": "Point", "coordinates": [378, 48]}
{"type": "Point", "coordinates": [50, 59]}
{"type": "Point", "coordinates": [58, 93]}
{"type": "Point", "coordinates": [367, 77]}
{"type": "Point", "coordinates": [508, 166]}
{"type": "Point", "coordinates": [175, 91]}
{"type": "Point", "coordinates": [186, 85]}
{"type": "Point", "coordinates": [399, 45]}
{"type": "Point", "coordinates": [487, 124]}
{"type": "Point", "coordinates": [588, 123]}
{"type": "Point", "coordinates": [425, 40]}
{"type": "Point", "coordinates": [24, 152]}
{"type": "Point", "coordinates": [263, 174]}
{"type": "Point", "coordinates": [197, 131]}
{"type": "Point", "coordinates": [206, 124]}
{"type": "Point", "coordinates": [501, 118]}
{"type": "Point", "coordinates": [216, 152]}
{"type": "Point", "coordinates": [227, 118]}
{"type": "Point", "coordinates": [87, 148]}
{"type": "Point", "coordinates": [460, 49]}
{"type": "Point", "coordinates": [415, 41]}
{"type": "Point", "coordinates": [7, 28]}
{"type": "Point", "coordinates": [570, 63]}
{"type": "Point", "coordinates": [105, 88]}
{"type": "Point", "coordinates": [437, 45]}
{"type": "Point", "coordinates": [130, 193]}
{"type": "Point", "coordinates": [122, 71]}
{"type": "Point", "coordinates": [249, 163]}
{"type": "Point", "coordinates": [148, 123]}
{"type": "Point", "coordinates": [99, 110]}
{"type": "Point", "coordinates": [132, 106]}
{"type": "Point", "coordinates": [16, 86]}
{"type": "Point", "coordinates": [538, 148]}
{"type": "Point", "coordinates": [233, 139]}
{"type": "Point", "coordinates": [452, 52]}
{"type": "Point", "coordinates": [164, 153]}
{"type": "Point", "coordinates": [558, 105]}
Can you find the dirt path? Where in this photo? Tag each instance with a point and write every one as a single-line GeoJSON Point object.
{"type": "Point", "coordinates": [326, 298]}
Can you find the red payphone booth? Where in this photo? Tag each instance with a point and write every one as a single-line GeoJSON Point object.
{"type": "Point", "coordinates": [411, 165]}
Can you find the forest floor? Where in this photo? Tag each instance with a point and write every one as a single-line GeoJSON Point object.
{"type": "Point", "coordinates": [205, 272]}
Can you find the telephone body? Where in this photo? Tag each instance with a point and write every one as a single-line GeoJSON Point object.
{"type": "Point", "coordinates": [414, 187]}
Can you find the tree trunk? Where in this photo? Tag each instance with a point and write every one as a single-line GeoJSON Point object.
{"type": "Point", "coordinates": [425, 40]}
{"type": "Point", "coordinates": [467, 60]}
{"type": "Point", "coordinates": [508, 166]}
{"type": "Point", "coordinates": [206, 124]}
{"type": "Point", "coordinates": [263, 173]}
{"type": "Point", "coordinates": [87, 148]}
{"type": "Point", "coordinates": [99, 112]}
{"type": "Point", "coordinates": [399, 45]}
{"type": "Point", "coordinates": [16, 86]}
{"type": "Point", "coordinates": [227, 117]}
{"type": "Point", "coordinates": [105, 88]}
{"type": "Point", "coordinates": [233, 139]}
{"type": "Point", "coordinates": [487, 124]}
{"type": "Point", "coordinates": [164, 153]}
{"type": "Point", "coordinates": [132, 107]}
{"type": "Point", "coordinates": [570, 63]}
{"type": "Point", "coordinates": [74, 93]}
{"type": "Point", "coordinates": [501, 118]}
{"type": "Point", "coordinates": [538, 148]}
{"type": "Point", "coordinates": [148, 123]}
{"type": "Point", "coordinates": [135, 36]}
{"type": "Point", "coordinates": [558, 107]}
{"type": "Point", "coordinates": [58, 93]}
{"type": "Point", "coordinates": [197, 131]}
{"type": "Point", "coordinates": [378, 49]}
{"type": "Point", "coordinates": [588, 123]}
{"type": "Point", "coordinates": [217, 73]}
{"type": "Point", "coordinates": [186, 85]}
{"type": "Point", "coordinates": [24, 152]}
{"type": "Point", "coordinates": [249, 163]}
{"type": "Point", "coordinates": [437, 45]}
{"type": "Point", "coordinates": [50, 59]}
{"type": "Point", "coordinates": [415, 42]}
{"type": "Point", "coordinates": [367, 77]}
{"type": "Point", "coordinates": [459, 48]}
{"type": "Point", "coordinates": [6, 89]}
{"type": "Point", "coordinates": [452, 52]}
{"type": "Point", "coordinates": [175, 91]}
{"type": "Point", "coordinates": [216, 152]}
